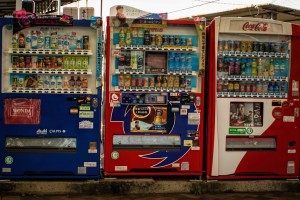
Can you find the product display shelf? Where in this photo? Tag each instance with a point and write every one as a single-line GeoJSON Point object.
{"type": "Point", "coordinates": [49, 71]}
{"type": "Point", "coordinates": [50, 91]}
{"type": "Point", "coordinates": [153, 89]}
{"type": "Point", "coordinates": [15, 51]}
{"type": "Point", "coordinates": [251, 95]}
{"type": "Point", "coordinates": [153, 48]}
{"type": "Point", "coordinates": [253, 78]}
{"type": "Point", "coordinates": [252, 54]}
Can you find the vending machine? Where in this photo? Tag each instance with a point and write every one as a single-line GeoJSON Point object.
{"type": "Point", "coordinates": [50, 97]}
{"type": "Point", "coordinates": [155, 97]}
{"type": "Point", "coordinates": [253, 101]}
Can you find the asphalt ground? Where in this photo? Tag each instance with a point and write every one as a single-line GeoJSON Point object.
{"type": "Point", "coordinates": [218, 196]}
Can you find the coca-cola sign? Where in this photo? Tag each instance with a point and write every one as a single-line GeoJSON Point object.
{"type": "Point", "coordinates": [260, 26]}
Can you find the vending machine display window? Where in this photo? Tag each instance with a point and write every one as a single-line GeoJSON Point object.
{"type": "Point", "coordinates": [246, 114]}
{"type": "Point", "coordinates": [156, 62]}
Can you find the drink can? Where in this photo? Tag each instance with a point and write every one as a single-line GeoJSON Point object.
{"type": "Point", "coordinates": [171, 40]}
{"type": "Point", "coordinates": [133, 81]}
{"type": "Point", "coordinates": [236, 86]}
{"type": "Point", "coordinates": [183, 41]}
{"type": "Point", "coordinates": [242, 87]}
{"type": "Point", "coordinates": [266, 47]}
{"type": "Point", "coordinates": [248, 87]}
{"type": "Point", "coordinates": [15, 61]}
{"type": "Point", "coordinates": [177, 40]}
{"type": "Point", "coordinates": [249, 46]}
{"type": "Point", "coordinates": [253, 87]}
{"type": "Point", "coordinates": [121, 80]}
{"type": "Point", "coordinates": [21, 82]}
{"type": "Point", "coordinates": [152, 39]}
{"type": "Point", "coordinates": [226, 45]}
{"type": "Point", "coordinates": [140, 82]}
{"type": "Point", "coordinates": [219, 86]}
{"type": "Point", "coordinates": [165, 40]}
{"type": "Point", "coordinates": [15, 82]}
{"type": "Point", "coordinates": [158, 81]}
{"type": "Point", "coordinates": [189, 41]}
{"type": "Point", "coordinates": [277, 47]}
{"type": "Point", "coordinates": [188, 82]}
{"type": "Point", "coordinates": [164, 81]}
{"type": "Point", "coordinates": [152, 81]}
{"type": "Point", "coordinates": [158, 40]}
{"type": "Point", "coordinates": [255, 46]}
{"type": "Point", "coordinates": [244, 46]}
{"type": "Point", "coordinates": [261, 47]}
{"type": "Point", "coordinates": [145, 82]}
{"type": "Point", "coordinates": [237, 46]}
{"type": "Point", "coordinates": [127, 80]}
{"type": "Point", "coordinates": [259, 87]}
{"type": "Point", "coordinates": [230, 86]}
{"type": "Point", "coordinates": [231, 45]}
{"type": "Point", "coordinates": [182, 81]}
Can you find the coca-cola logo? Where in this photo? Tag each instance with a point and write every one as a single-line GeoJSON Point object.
{"type": "Point", "coordinates": [260, 26]}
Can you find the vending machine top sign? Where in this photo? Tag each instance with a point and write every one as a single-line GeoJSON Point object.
{"type": "Point", "coordinates": [253, 26]}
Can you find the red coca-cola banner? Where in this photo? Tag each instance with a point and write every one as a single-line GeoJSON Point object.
{"type": "Point", "coordinates": [260, 26]}
{"type": "Point", "coordinates": [22, 111]}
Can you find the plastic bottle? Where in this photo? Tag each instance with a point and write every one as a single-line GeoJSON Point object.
{"type": "Point", "coordinates": [189, 67]}
{"type": "Point", "coordinates": [177, 62]}
{"type": "Point", "coordinates": [28, 40]}
{"type": "Point", "coordinates": [65, 83]}
{"type": "Point", "coordinates": [243, 67]}
{"type": "Point", "coordinates": [60, 42]}
{"type": "Point", "coordinates": [14, 41]}
{"type": "Point", "coordinates": [270, 87]}
{"type": "Point", "coordinates": [53, 83]}
{"type": "Point", "coordinates": [276, 68]}
{"type": "Point", "coordinates": [253, 67]}
{"type": "Point", "coordinates": [78, 82]}
{"type": "Point", "coordinates": [248, 70]}
{"type": "Point", "coordinates": [40, 82]}
{"type": "Point", "coordinates": [59, 82]}
{"type": "Point", "coordinates": [47, 40]}
{"type": "Point", "coordinates": [66, 42]}
{"type": "Point", "coordinates": [21, 40]}
{"type": "Point", "coordinates": [134, 39]}
{"type": "Point", "coordinates": [53, 43]}
{"type": "Point", "coordinates": [182, 62]}
{"type": "Point", "coordinates": [128, 37]}
{"type": "Point", "coordinates": [72, 82]}
{"type": "Point", "coordinates": [122, 37]}
{"type": "Point", "coordinates": [276, 88]}
{"type": "Point", "coordinates": [46, 82]}
{"type": "Point", "coordinates": [171, 61]}
{"type": "Point", "coordinates": [260, 67]}
{"type": "Point", "coordinates": [237, 67]}
{"type": "Point", "coordinates": [34, 40]}
{"type": "Point", "coordinates": [133, 61]}
{"type": "Point", "coordinates": [231, 66]}
{"type": "Point", "coordinates": [283, 70]}
{"type": "Point", "coordinates": [140, 40]}
{"type": "Point", "coordinates": [41, 40]}
{"type": "Point", "coordinates": [271, 68]}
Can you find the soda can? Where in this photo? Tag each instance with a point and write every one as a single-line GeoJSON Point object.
{"type": "Point", "coordinates": [158, 40]}
{"type": "Point", "coordinates": [140, 82]}
{"type": "Point", "coordinates": [182, 81]}
{"type": "Point", "coordinates": [15, 82]}
{"type": "Point", "coordinates": [249, 46]}
{"type": "Point", "coordinates": [266, 47]}
{"type": "Point", "coordinates": [253, 87]}
{"type": "Point", "coordinates": [220, 45]}
{"type": "Point", "coordinates": [15, 61]}
{"type": "Point", "coordinates": [189, 41]}
{"type": "Point", "coordinates": [133, 81]}
{"type": "Point", "coordinates": [248, 87]}
{"type": "Point", "coordinates": [152, 81]}
{"type": "Point", "coordinates": [158, 81]}
{"type": "Point", "coordinates": [152, 39]}
{"type": "Point", "coordinates": [188, 82]}
{"type": "Point", "coordinates": [127, 80]}
{"type": "Point", "coordinates": [237, 46]}
{"type": "Point", "coordinates": [244, 46]}
{"type": "Point", "coordinates": [255, 46]}
{"type": "Point", "coordinates": [183, 41]}
{"type": "Point", "coordinates": [145, 82]}
{"type": "Point", "coordinates": [171, 40]}
{"type": "Point", "coordinates": [121, 80]}
{"type": "Point", "coordinates": [231, 45]}
{"type": "Point", "coordinates": [164, 81]}
{"type": "Point", "coordinates": [165, 40]}
{"type": "Point", "coordinates": [177, 40]}
{"type": "Point", "coordinates": [261, 47]}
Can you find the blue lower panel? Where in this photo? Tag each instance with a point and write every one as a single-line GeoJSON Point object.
{"type": "Point", "coordinates": [45, 159]}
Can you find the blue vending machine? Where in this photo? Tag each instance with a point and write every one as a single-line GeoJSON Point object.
{"type": "Point", "coordinates": [50, 97]}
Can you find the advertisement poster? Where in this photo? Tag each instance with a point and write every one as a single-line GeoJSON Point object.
{"type": "Point", "coordinates": [148, 119]}
{"type": "Point", "coordinates": [246, 114]}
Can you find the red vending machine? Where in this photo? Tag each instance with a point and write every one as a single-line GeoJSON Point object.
{"type": "Point", "coordinates": [154, 95]}
{"type": "Point", "coordinates": [253, 101]}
